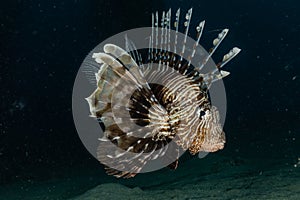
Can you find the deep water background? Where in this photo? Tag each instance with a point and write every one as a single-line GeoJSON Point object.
{"type": "Point", "coordinates": [42, 44]}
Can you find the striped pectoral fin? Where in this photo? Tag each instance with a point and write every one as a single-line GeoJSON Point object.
{"type": "Point", "coordinates": [119, 162]}
{"type": "Point", "coordinates": [123, 154]}
{"type": "Point", "coordinates": [106, 76]}
{"type": "Point", "coordinates": [97, 106]}
{"type": "Point", "coordinates": [119, 79]}
{"type": "Point", "coordinates": [114, 64]}
{"type": "Point", "coordinates": [127, 69]}
{"type": "Point", "coordinates": [118, 174]}
{"type": "Point", "coordinates": [127, 61]}
{"type": "Point", "coordinates": [123, 163]}
{"type": "Point", "coordinates": [100, 99]}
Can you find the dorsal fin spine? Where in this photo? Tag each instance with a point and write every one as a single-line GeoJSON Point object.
{"type": "Point", "coordinates": [156, 33]}
{"type": "Point", "coordinates": [176, 24]}
{"type": "Point", "coordinates": [216, 42]}
{"type": "Point", "coordinates": [188, 17]}
{"type": "Point", "coordinates": [199, 30]}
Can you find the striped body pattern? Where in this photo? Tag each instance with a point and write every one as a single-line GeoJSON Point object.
{"type": "Point", "coordinates": [157, 106]}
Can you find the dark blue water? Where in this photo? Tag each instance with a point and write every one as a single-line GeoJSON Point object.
{"type": "Point", "coordinates": [44, 42]}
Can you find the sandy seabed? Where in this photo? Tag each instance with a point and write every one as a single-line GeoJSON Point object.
{"type": "Point", "coordinates": [235, 182]}
{"type": "Point", "coordinates": [214, 177]}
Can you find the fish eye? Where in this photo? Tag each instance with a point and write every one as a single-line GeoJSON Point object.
{"type": "Point", "coordinates": [202, 113]}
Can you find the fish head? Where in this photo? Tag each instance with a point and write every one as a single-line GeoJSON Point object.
{"type": "Point", "coordinates": [210, 136]}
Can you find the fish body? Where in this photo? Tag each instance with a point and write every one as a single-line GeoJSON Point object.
{"type": "Point", "coordinates": [156, 108]}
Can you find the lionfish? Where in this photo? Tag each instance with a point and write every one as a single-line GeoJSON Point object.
{"type": "Point", "coordinates": [156, 107]}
